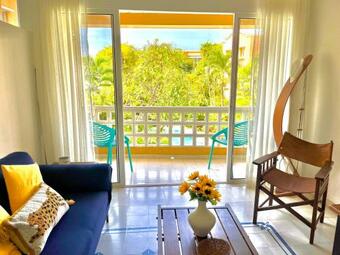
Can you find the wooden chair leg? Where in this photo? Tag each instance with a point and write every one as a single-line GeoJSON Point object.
{"type": "Point", "coordinates": [270, 198]}
{"type": "Point", "coordinates": [311, 237]}
{"type": "Point", "coordinates": [323, 205]}
{"type": "Point", "coordinates": [315, 210]}
{"type": "Point", "coordinates": [256, 204]}
{"type": "Point", "coordinates": [257, 194]}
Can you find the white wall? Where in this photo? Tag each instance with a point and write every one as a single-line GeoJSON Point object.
{"type": "Point", "coordinates": [19, 121]}
{"type": "Point", "coordinates": [174, 5]}
{"type": "Point", "coordinates": [322, 116]}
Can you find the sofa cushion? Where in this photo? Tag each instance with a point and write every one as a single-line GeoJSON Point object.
{"type": "Point", "coordinates": [16, 158]}
{"type": "Point", "coordinates": [78, 232]}
{"type": "Point", "coordinates": [22, 181]}
{"type": "Point", "coordinates": [30, 226]}
{"type": "Point", "coordinates": [6, 246]}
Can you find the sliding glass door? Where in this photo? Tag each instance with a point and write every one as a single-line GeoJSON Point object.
{"type": "Point", "coordinates": [176, 68]}
{"type": "Point", "coordinates": [245, 53]}
{"type": "Point", "coordinates": [100, 88]}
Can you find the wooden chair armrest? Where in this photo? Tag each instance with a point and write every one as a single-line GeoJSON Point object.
{"type": "Point", "coordinates": [265, 158]}
{"type": "Point", "coordinates": [324, 171]}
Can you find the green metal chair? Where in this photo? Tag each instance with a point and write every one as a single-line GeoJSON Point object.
{"type": "Point", "coordinates": [104, 136]}
{"type": "Point", "coordinates": [221, 137]}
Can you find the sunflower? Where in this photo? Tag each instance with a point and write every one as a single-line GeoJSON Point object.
{"type": "Point", "coordinates": [200, 187]}
{"type": "Point", "coordinates": [208, 191]}
{"type": "Point", "coordinates": [211, 183]}
{"type": "Point", "coordinates": [183, 187]}
{"type": "Point", "coordinates": [206, 181]}
{"type": "Point", "coordinates": [216, 195]}
{"type": "Point", "coordinates": [203, 177]}
{"type": "Point", "coordinates": [197, 188]}
{"type": "Point", "coordinates": [193, 175]}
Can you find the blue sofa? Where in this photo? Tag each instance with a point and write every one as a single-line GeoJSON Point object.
{"type": "Point", "coordinates": [79, 230]}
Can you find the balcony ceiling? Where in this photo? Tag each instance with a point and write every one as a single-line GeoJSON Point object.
{"type": "Point", "coordinates": [167, 20]}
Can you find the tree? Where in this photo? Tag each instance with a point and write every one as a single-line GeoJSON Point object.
{"type": "Point", "coordinates": [244, 85]}
{"type": "Point", "coordinates": [157, 78]}
{"type": "Point", "coordinates": [99, 77]}
{"type": "Point", "coordinates": [161, 75]}
{"type": "Point", "coordinates": [211, 75]}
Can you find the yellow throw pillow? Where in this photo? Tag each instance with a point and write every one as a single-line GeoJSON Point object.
{"type": "Point", "coordinates": [22, 181]}
{"type": "Point", "coordinates": [6, 247]}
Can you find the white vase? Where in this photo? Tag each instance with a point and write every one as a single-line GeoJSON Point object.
{"type": "Point", "coordinates": [201, 220]}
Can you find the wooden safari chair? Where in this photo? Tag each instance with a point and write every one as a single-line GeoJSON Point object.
{"type": "Point", "coordinates": [269, 177]}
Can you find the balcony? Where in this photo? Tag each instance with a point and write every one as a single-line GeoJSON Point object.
{"type": "Point", "coordinates": [169, 142]}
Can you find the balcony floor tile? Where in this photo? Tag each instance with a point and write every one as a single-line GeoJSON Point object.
{"type": "Point", "coordinates": [174, 169]}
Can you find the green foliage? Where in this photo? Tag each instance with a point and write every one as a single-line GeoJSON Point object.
{"type": "Point", "coordinates": [157, 77]}
{"type": "Point", "coordinates": [211, 75]}
{"type": "Point", "coordinates": [99, 77]}
{"type": "Point", "coordinates": [161, 75]}
{"type": "Point", "coordinates": [244, 85]}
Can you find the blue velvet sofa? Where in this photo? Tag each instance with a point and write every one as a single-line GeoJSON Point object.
{"type": "Point", "coordinates": [79, 230]}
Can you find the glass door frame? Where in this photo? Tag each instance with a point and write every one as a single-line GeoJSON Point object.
{"type": "Point", "coordinates": [233, 93]}
{"type": "Point", "coordinates": [118, 93]}
{"type": "Point", "coordinates": [116, 44]}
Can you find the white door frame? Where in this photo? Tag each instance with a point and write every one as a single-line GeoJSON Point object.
{"type": "Point", "coordinates": [118, 90]}
{"type": "Point", "coordinates": [233, 93]}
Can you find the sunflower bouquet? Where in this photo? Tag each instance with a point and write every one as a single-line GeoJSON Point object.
{"type": "Point", "coordinates": [200, 187]}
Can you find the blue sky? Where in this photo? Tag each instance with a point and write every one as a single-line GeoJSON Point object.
{"type": "Point", "coordinates": [186, 39]}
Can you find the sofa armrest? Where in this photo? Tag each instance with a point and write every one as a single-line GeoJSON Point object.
{"type": "Point", "coordinates": [78, 177]}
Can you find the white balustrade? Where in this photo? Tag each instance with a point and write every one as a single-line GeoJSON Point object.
{"type": "Point", "coordinates": [171, 126]}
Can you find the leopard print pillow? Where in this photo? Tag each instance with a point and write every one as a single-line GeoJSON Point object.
{"type": "Point", "coordinates": [31, 225]}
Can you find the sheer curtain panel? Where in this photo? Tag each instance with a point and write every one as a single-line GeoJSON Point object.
{"type": "Point", "coordinates": [281, 27]}
{"type": "Point", "coordinates": [60, 81]}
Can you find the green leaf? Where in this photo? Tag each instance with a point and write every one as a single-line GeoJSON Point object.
{"type": "Point", "coordinates": [192, 195]}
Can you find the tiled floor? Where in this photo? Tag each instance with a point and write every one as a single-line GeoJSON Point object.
{"type": "Point", "coordinates": [162, 169]}
{"type": "Point", "coordinates": [136, 208]}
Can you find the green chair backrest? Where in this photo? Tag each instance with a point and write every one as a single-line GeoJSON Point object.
{"type": "Point", "coordinates": [103, 136]}
{"type": "Point", "coordinates": [240, 134]}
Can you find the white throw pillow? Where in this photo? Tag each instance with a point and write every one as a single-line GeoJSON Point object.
{"type": "Point", "coordinates": [31, 225]}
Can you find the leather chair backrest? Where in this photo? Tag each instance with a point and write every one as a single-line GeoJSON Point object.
{"type": "Point", "coordinates": [301, 150]}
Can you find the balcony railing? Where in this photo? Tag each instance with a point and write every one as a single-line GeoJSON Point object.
{"type": "Point", "coordinates": [171, 126]}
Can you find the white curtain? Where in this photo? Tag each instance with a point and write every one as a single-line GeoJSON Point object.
{"type": "Point", "coordinates": [64, 117]}
{"type": "Point", "coordinates": [281, 27]}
